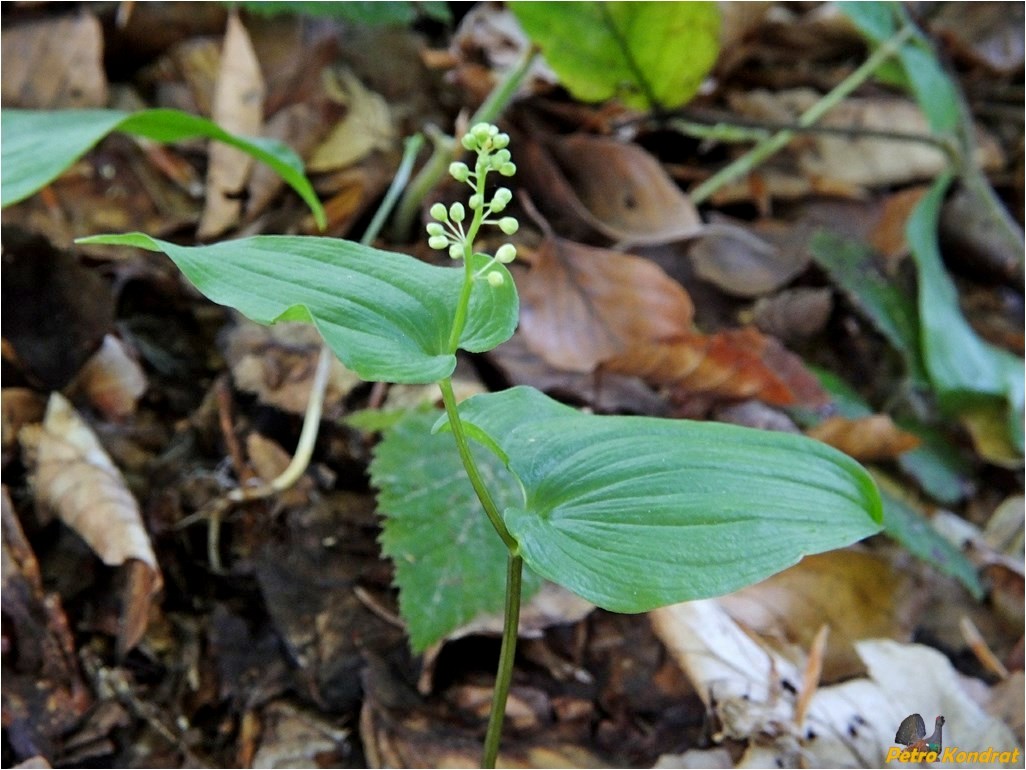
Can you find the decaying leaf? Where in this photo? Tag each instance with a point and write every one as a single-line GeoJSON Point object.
{"type": "Point", "coordinates": [112, 380]}
{"type": "Point", "coordinates": [366, 126]}
{"type": "Point", "coordinates": [75, 479]}
{"type": "Point", "coordinates": [867, 439]}
{"type": "Point", "coordinates": [582, 305]}
{"type": "Point", "coordinates": [794, 313]}
{"type": "Point", "coordinates": [616, 189]}
{"type": "Point", "coordinates": [238, 107]}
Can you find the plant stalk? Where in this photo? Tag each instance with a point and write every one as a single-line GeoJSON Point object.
{"type": "Point", "coordinates": [504, 675]}
{"type": "Point", "coordinates": [779, 140]}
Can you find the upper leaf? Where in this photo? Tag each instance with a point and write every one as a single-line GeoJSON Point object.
{"type": "Point", "coordinates": [37, 146]}
{"type": "Point", "coordinates": [634, 513]}
{"type": "Point", "coordinates": [387, 316]}
{"type": "Point", "coordinates": [650, 55]}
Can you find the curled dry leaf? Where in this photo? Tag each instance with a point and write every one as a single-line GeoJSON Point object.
{"type": "Point", "coordinates": [112, 380]}
{"type": "Point", "coordinates": [582, 305]}
{"type": "Point", "coordinates": [366, 126]}
{"type": "Point", "coordinates": [238, 107]}
{"type": "Point", "coordinates": [75, 478]}
{"type": "Point", "coordinates": [871, 438]}
{"type": "Point", "coordinates": [616, 189]}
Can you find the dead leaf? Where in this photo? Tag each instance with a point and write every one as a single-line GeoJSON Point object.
{"type": "Point", "coordinates": [112, 380]}
{"type": "Point", "coordinates": [277, 363]}
{"type": "Point", "coordinates": [743, 262]}
{"type": "Point", "coordinates": [856, 594]}
{"type": "Point", "coordinates": [988, 33]}
{"type": "Point", "coordinates": [589, 183]}
{"type": "Point", "coordinates": [270, 461]}
{"type": "Point", "coordinates": [366, 126]}
{"type": "Point", "coordinates": [292, 737]}
{"type": "Point", "coordinates": [794, 314]}
{"type": "Point", "coordinates": [868, 439]}
{"type": "Point", "coordinates": [733, 364]}
{"type": "Point", "coordinates": [75, 478]}
{"type": "Point", "coordinates": [20, 407]}
{"type": "Point", "coordinates": [582, 305]}
{"type": "Point", "coordinates": [238, 107]}
{"type": "Point", "coordinates": [53, 64]}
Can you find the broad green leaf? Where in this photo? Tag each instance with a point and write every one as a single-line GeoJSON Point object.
{"type": "Point", "coordinates": [633, 513]}
{"type": "Point", "coordinates": [966, 371]}
{"type": "Point", "coordinates": [920, 72]}
{"type": "Point", "coordinates": [370, 14]}
{"type": "Point", "coordinates": [651, 55]}
{"type": "Point", "coordinates": [37, 146]}
{"type": "Point", "coordinates": [450, 565]}
{"type": "Point", "coordinates": [386, 316]}
{"type": "Point", "coordinates": [851, 266]}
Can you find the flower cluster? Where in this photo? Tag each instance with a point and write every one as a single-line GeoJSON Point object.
{"type": "Point", "coordinates": [447, 231]}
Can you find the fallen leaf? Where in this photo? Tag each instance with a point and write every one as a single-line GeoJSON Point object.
{"type": "Point", "coordinates": [75, 478]}
{"type": "Point", "coordinates": [867, 439]}
{"type": "Point", "coordinates": [366, 126]}
{"type": "Point", "coordinates": [988, 33]}
{"type": "Point", "coordinates": [581, 305]}
{"type": "Point", "coordinates": [270, 461]}
{"type": "Point", "coordinates": [794, 314]}
{"type": "Point", "coordinates": [299, 738]}
{"type": "Point", "coordinates": [20, 406]}
{"type": "Point", "coordinates": [238, 107]}
{"type": "Point", "coordinates": [112, 380]}
{"type": "Point", "coordinates": [55, 63]}
{"type": "Point", "coordinates": [603, 185]}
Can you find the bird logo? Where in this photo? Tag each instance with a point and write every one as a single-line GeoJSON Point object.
{"type": "Point", "coordinates": [912, 733]}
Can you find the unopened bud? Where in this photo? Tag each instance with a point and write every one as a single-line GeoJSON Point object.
{"type": "Point", "coordinates": [459, 171]}
{"type": "Point", "coordinates": [435, 228]}
{"type": "Point", "coordinates": [456, 212]}
{"type": "Point", "coordinates": [508, 169]}
{"type": "Point", "coordinates": [438, 212]}
{"type": "Point", "coordinates": [438, 242]}
{"type": "Point", "coordinates": [507, 253]}
{"type": "Point", "coordinates": [456, 251]}
{"type": "Point", "coordinates": [495, 279]}
{"type": "Point", "coordinates": [500, 141]}
{"type": "Point", "coordinates": [509, 225]}
{"type": "Point", "coordinates": [476, 201]}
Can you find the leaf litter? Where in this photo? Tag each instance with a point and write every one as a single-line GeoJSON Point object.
{"type": "Point", "coordinates": [630, 305]}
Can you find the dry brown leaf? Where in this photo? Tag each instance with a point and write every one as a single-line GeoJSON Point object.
{"type": "Point", "coordinates": [987, 32]}
{"type": "Point", "coordinates": [582, 305]}
{"type": "Point", "coordinates": [238, 107]}
{"type": "Point", "coordinates": [112, 380]}
{"type": "Point", "coordinates": [366, 126]}
{"type": "Point", "coordinates": [54, 64]}
{"type": "Point", "coordinates": [744, 262]}
{"type": "Point", "coordinates": [277, 363]}
{"type": "Point", "coordinates": [75, 478]}
{"type": "Point", "coordinates": [794, 314]}
{"type": "Point", "coordinates": [868, 439]}
{"type": "Point", "coordinates": [858, 595]}
{"type": "Point", "coordinates": [269, 461]}
{"type": "Point", "coordinates": [733, 364]}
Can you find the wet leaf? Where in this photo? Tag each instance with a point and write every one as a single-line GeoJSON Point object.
{"type": "Point", "coordinates": [633, 513]}
{"type": "Point", "coordinates": [450, 563]}
{"type": "Point", "coordinates": [37, 146]}
{"type": "Point", "coordinates": [649, 55]}
{"type": "Point", "coordinates": [238, 107]}
{"type": "Point", "coordinates": [387, 316]}
{"type": "Point", "coordinates": [584, 305]}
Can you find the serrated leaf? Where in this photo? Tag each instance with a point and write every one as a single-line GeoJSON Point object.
{"type": "Point", "coordinates": [450, 565]}
{"type": "Point", "coordinates": [633, 513]}
{"type": "Point", "coordinates": [386, 316]}
{"type": "Point", "coordinates": [37, 146]}
{"type": "Point", "coordinates": [965, 370]}
{"type": "Point", "coordinates": [650, 55]}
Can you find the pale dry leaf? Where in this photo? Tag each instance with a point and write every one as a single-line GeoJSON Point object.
{"type": "Point", "coordinates": [269, 461]}
{"type": "Point", "coordinates": [112, 380]}
{"type": "Point", "coordinates": [75, 478]}
{"type": "Point", "coordinates": [741, 263]}
{"type": "Point", "coordinates": [581, 305]}
{"type": "Point", "coordinates": [868, 439]}
{"type": "Point", "coordinates": [366, 126]}
{"type": "Point", "coordinates": [55, 63]}
{"type": "Point", "coordinates": [794, 314]}
{"type": "Point", "coordinates": [238, 107]}
{"type": "Point", "coordinates": [623, 192]}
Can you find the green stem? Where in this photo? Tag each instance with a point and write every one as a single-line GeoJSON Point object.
{"type": "Point", "coordinates": [463, 447]}
{"type": "Point", "coordinates": [778, 141]}
{"type": "Point", "coordinates": [504, 676]}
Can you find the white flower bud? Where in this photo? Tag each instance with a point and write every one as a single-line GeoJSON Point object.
{"type": "Point", "coordinates": [482, 132]}
{"type": "Point", "coordinates": [438, 242]}
{"type": "Point", "coordinates": [509, 225]}
{"type": "Point", "coordinates": [476, 201]}
{"type": "Point", "coordinates": [438, 212]}
{"type": "Point", "coordinates": [469, 142]}
{"type": "Point", "coordinates": [456, 251]}
{"type": "Point", "coordinates": [500, 141]}
{"type": "Point", "coordinates": [435, 228]}
{"type": "Point", "coordinates": [501, 198]}
{"type": "Point", "coordinates": [508, 169]}
{"type": "Point", "coordinates": [495, 279]}
{"type": "Point", "coordinates": [456, 212]}
{"type": "Point", "coordinates": [507, 253]}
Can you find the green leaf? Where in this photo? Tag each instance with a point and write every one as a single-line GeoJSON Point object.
{"type": "Point", "coordinates": [450, 565]}
{"type": "Point", "coordinates": [386, 316]}
{"type": "Point", "coordinates": [912, 530]}
{"type": "Point", "coordinates": [851, 266]}
{"type": "Point", "coordinates": [372, 14]}
{"type": "Point", "coordinates": [966, 371]}
{"type": "Point", "coordinates": [651, 55]}
{"type": "Point", "coordinates": [633, 513]}
{"type": "Point", "coordinates": [37, 146]}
